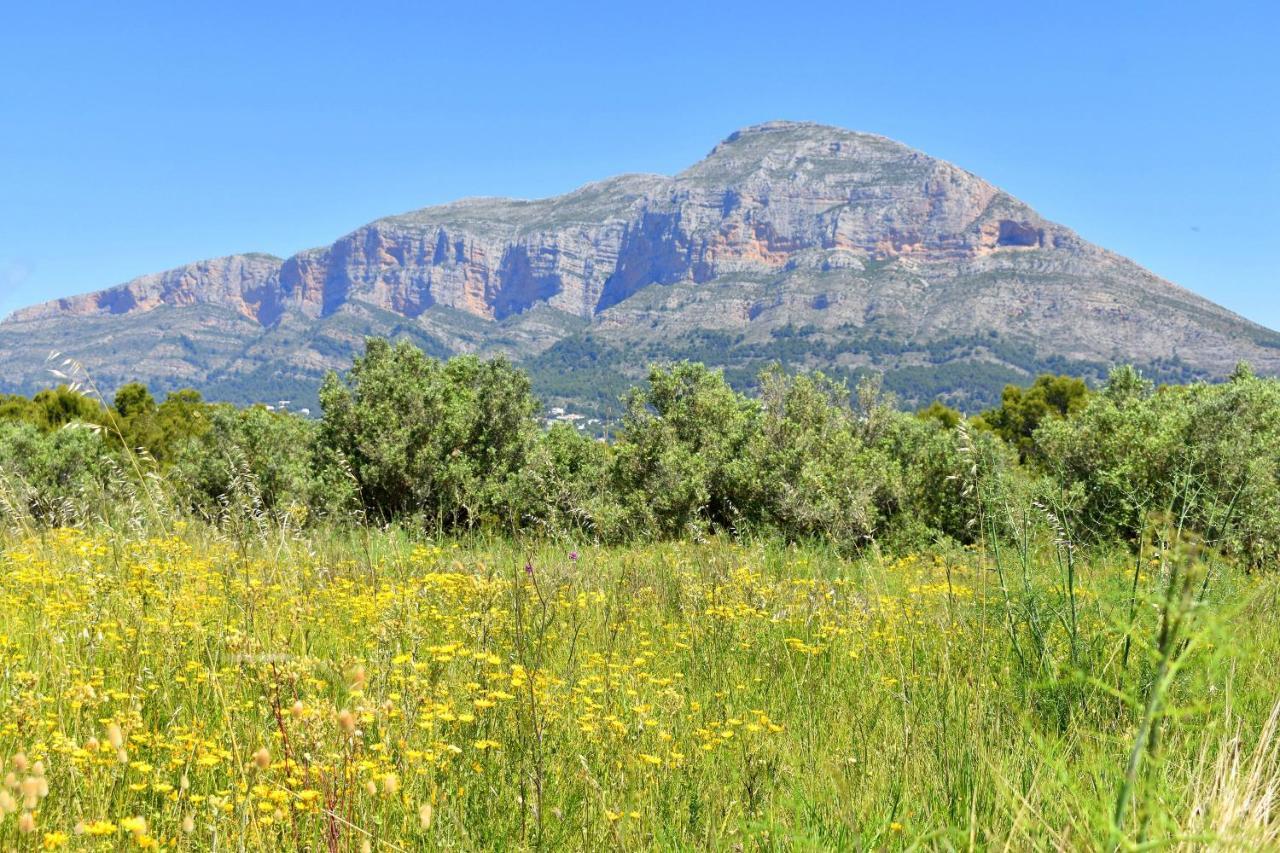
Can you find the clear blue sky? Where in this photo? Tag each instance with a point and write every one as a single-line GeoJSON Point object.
{"type": "Point", "coordinates": [135, 137]}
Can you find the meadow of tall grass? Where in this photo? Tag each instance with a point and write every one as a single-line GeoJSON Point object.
{"type": "Point", "coordinates": [258, 686]}
{"type": "Point", "coordinates": [254, 675]}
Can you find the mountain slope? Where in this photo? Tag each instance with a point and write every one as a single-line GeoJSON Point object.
{"type": "Point", "coordinates": [813, 245]}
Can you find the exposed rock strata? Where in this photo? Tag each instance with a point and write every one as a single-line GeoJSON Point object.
{"type": "Point", "coordinates": [782, 224]}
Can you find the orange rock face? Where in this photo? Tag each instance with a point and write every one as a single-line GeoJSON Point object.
{"type": "Point", "coordinates": [757, 200]}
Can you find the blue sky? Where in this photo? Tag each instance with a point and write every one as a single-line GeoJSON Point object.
{"type": "Point", "coordinates": [133, 141]}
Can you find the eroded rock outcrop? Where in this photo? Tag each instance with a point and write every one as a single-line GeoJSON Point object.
{"type": "Point", "coordinates": [243, 283]}
{"type": "Point", "coordinates": [781, 224]}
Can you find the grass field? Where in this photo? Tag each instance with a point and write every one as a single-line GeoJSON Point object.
{"type": "Point", "coordinates": [196, 690]}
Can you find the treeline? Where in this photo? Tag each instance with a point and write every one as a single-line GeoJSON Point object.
{"type": "Point", "coordinates": [457, 445]}
{"type": "Point", "coordinates": [973, 369]}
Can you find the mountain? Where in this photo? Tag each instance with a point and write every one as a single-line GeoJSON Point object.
{"type": "Point", "coordinates": [811, 245]}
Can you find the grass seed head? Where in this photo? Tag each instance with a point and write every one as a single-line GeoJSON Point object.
{"type": "Point", "coordinates": [347, 721]}
{"type": "Point", "coordinates": [30, 792]}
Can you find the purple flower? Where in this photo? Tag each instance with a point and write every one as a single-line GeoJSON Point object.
{"type": "Point", "coordinates": [573, 556]}
{"type": "Point", "coordinates": [528, 569]}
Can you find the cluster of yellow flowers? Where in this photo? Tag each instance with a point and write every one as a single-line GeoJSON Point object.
{"type": "Point", "coordinates": [184, 692]}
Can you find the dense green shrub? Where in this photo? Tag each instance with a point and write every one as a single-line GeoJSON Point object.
{"type": "Point", "coordinates": [802, 460]}
{"type": "Point", "coordinates": [248, 457]}
{"type": "Point", "coordinates": [17, 409]}
{"type": "Point", "coordinates": [60, 406]}
{"type": "Point", "coordinates": [1204, 457]}
{"type": "Point", "coordinates": [446, 440]}
{"type": "Point", "coordinates": [564, 486]}
{"type": "Point", "coordinates": [953, 477]}
{"type": "Point", "coordinates": [58, 476]}
{"type": "Point", "coordinates": [1022, 411]}
{"type": "Point", "coordinates": [813, 466]}
{"type": "Point", "coordinates": [1114, 461]}
{"type": "Point", "coordinates": [676, 465]}
{"type": "Point", "coordinates": [1232, 441]}
{"type": "Point", "coordinates": [942, 413]}
{"type": "Point", "coordinates": [157, 431]}
{"type": "Point", "coordinates": [457, 444]}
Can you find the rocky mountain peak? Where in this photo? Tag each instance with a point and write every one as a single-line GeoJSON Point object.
{"type": "Point", "coordinates": [780, 148]}
{"type": "Point", "coordinates": [850, 236]}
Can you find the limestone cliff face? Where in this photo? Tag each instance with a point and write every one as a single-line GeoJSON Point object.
{"type": "Point", "coordinates": [782, 225]}
{"type": "Point", "coordinates": [760, 197]}
{"type": "Point", "coordinates": [243, 283]}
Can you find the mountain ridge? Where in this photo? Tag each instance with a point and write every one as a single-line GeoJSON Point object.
{"type": "Point", "coordinates": [848, 237]}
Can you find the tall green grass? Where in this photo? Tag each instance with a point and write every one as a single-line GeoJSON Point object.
{"type": "Point", "coordinates": [1024, 696]}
